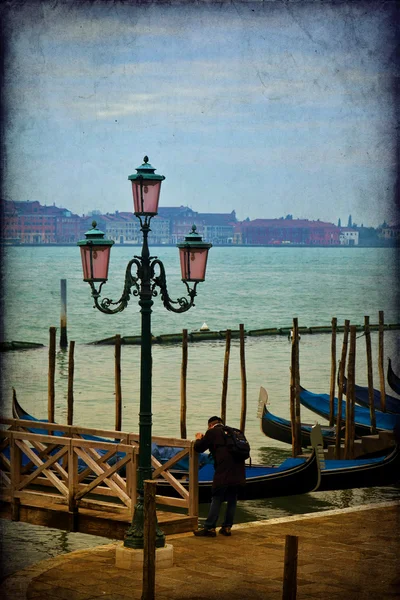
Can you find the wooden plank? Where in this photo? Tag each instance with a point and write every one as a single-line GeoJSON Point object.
{"type": "Point", "coordinates": [71, 431]}
{"type": "Point", "coordinates": [42, 467]}
{"type": "Point", "coordinates": [108, 481]}
{"type": "Point", "coordinates": [41, 499]}
{"type": "Point", "coordinates": [104, 458]}
{"type": "Point", "coordinates": [169, 501]}
{"type": "Point", "coordinates": [45, 452]}
{"type": "Point", "coordinates": [110, 525]}
{"type": "Point", "coordinates": [102, 478]}
{"type": "Point", "coordinates": [100, 445]}
{"type": "Point", "coordinates": [27, 479]}
{"type": "Point", "coordinates": [172, 461]}
{"type": "Point", "coordinates": [174, 482]}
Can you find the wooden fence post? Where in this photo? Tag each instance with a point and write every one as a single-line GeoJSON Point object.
{"type": "Point", "coordinates": [380, 361]}
{"type": "Point", "coordinates": [70, 393]}
{"type": "Point", "coordinates": [193, 482]}
{"type": "Point", "coordinates": [225, 376]}
{"type": "Point", "coordinates": [149, 540]}
{"type": "Point", "coordinates": [342, 365]}
{"type": "Point", "coordinates": [370, 376]}
{"type": "Point", "coordinates": [51, 375]}
{"type": "Point", "coordinates": [244, 380]}
{"type": "Point", "coordinates": [290, 568]}
{"type": "Point", "coordinates": [183, 383]}
{"type": "Point", "coordinates": [333, 373]}
{"type": "Point", "coordinates": [73, 486]}
{"type": "Point", "coordinates": [118, 391]}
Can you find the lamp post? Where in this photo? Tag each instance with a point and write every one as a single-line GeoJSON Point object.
{"type": "Point", "coordinates": [143, 275]}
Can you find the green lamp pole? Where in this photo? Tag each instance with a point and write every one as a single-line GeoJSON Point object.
{"type": "Point", "coordinates": [144, 274]}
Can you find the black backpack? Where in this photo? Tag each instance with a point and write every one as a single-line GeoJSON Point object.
{"type": "Point", "coordinates": [236, 443]}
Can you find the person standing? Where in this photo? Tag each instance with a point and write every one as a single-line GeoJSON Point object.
{"type": "Point", "coordinates": [229, 475]}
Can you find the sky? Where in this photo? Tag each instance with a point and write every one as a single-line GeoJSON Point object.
{"type": "Point", "coordinates": [267, 108]}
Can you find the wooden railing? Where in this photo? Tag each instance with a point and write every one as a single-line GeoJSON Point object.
{"type": "Point", "coordinates": [61, 467]}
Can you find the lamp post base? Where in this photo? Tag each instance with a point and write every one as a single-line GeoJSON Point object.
{"type": "Point", "coordinates": [131, 559]}
{"type": "Point", "coordinates": [134, 537]}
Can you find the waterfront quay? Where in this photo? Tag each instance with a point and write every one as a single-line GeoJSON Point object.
{"type": "Point", "coordinates": [350, 553]}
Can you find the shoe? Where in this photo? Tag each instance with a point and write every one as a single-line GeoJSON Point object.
{"type": "Point", "coordinates": [225, 531]}
{"type": "Point", "coordinates": [205, 533]}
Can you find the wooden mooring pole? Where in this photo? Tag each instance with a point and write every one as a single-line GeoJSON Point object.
{"type": "Point", "coordinates": [333, 373]}
{"type": "Point", "coordinates": [226, 374]}
{"type": "Point", "coordinates": [243, 378]}
{"type": "Point", "coordinates": [369, 375]}
{"type": "Point", "coordinates": [295, 391]}
{"type": "Point", "coordinates": [290, 568]}
{"type": "Point", "coordinates": [380, 361]}
{"type": "Point", "coordinates": [70, 393]}
{"type": "Point", "coordinates": [184, 382]}
{"type": "Point", "coordinates": [149, 540]}
{"type": "Point", "coordinates": [342, 365]}
{"type": "Point", "coordinates": [51, 375]}
{"type": "Point", "coordinates": [349, 439]}
{"type": "Point", "coordinates": [118, 389]}
{"type": "Point", "coordinates": [63, 318]}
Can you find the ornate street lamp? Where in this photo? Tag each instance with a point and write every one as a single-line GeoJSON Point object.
{"type": "Point", "coordinates": [149, 274]}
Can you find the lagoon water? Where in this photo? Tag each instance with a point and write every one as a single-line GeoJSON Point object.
{"type": "Point", "coordinates": [259, 287]}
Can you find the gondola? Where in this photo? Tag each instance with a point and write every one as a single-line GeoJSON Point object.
{"type": "Point", "coordinates": [294, 476]}
{"type": "Point", "coordinates": [361, 472]}
{"type": "Point", "coordinates": [319, 403]}
{"type": "Point", "coordinates": [362, 398]}
{"type": "Point", "coordinates": [393, 379]}
{"type": "Point", "coordinates": [280, 429]}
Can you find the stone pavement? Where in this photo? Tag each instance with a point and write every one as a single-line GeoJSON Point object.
{"type": "Point", "coordinates": [350, 554]}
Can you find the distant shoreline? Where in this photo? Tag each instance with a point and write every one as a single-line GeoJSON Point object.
{"type": "Point", "coordinates": [73, 244]}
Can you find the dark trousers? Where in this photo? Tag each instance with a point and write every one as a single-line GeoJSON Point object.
{"type": "Point", "coordinates": [228, 494]}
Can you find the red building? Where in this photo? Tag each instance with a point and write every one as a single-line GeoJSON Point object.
{"type": "Point", "coordinates": [31, 223]}
{"type": "Point", "coordinates": [270, 232]}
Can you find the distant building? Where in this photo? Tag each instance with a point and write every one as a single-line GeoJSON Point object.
{"type": "Point", "coordinates": [286, 232]}
{"type": "Point", "coordinates": [181, 220]}
{"type": "Point", "coordinates": [219, 227]}
{"type": "Point", "coordinates": [390, 232]}
{"type": "Point", "coordinates": [349, 237]}
{"type": "Point", "coordinates": [122, 227]}
{"type": "Point", "coordinates": [32, 223]}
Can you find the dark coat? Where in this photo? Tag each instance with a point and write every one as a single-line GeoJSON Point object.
{"type": "Point", "coordinates": [228, 471]}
